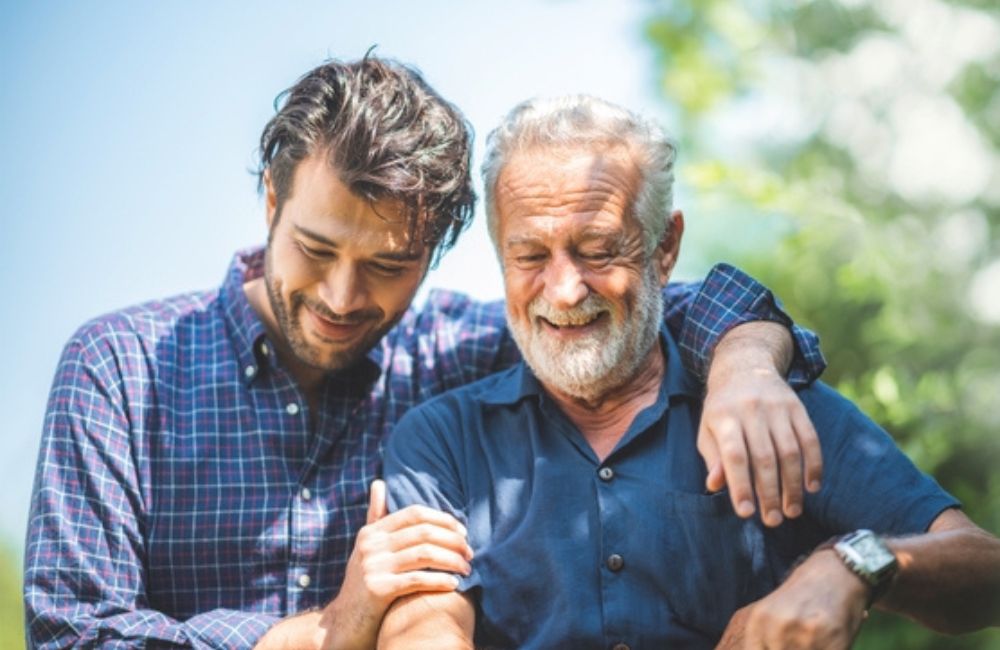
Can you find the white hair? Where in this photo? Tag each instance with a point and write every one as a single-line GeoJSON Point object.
{"type": "Point", "coordinates": [589, 123]}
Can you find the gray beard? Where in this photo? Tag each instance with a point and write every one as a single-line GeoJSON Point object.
{"type": "Point", "coordinates": [605, 360]}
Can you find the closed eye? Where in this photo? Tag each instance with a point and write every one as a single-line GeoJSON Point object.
{"type": "Point", "coordinates": [387, 270]}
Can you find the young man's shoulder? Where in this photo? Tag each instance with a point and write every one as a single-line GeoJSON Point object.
{"type": "Point", "coordinates": [174, 319]}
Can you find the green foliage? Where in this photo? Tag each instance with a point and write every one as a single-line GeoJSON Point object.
{"type": "Point", "coordinates": [879, 222]}
{"type": "Point", "coordinates": [11, 610]}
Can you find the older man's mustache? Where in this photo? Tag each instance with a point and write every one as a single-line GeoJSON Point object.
{"type": "Point", "coordinates": [586, 312]}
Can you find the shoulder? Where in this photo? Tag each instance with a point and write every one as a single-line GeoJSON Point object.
{"type": "Point", "coordinates": [455, 415]}
{"type": "Point", "coordinates": [144, 328]}
{"type": "Point", "coordinates": [452, 311]}
{"type": "Point", "coordinates": [827, 407]}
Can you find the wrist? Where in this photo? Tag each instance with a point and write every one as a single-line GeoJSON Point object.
{"type": "Point", "coordinates": [866, 556]}
{"type": "Point", "coordinates": [754, 346]}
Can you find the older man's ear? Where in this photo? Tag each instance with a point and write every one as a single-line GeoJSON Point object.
{"type": "Point", "coordinates": [669, 246]}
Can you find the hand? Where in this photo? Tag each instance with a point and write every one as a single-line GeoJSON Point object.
{"type": "Point", "coordinates": [414, 549]}
{"type": "Point", "coordinates": [755, 435]}
{"type": "Point", "coordinates": [820, 607]}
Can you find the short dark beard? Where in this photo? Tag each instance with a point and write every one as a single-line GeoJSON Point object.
{"type": "Point", "coordinates": [290, 328]}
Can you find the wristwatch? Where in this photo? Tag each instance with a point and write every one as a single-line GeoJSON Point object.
{"type": "Point", "coordinates": [864, 553]}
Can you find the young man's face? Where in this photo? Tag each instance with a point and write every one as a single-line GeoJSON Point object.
{"type": "Point", "coordinates": [339, 272]}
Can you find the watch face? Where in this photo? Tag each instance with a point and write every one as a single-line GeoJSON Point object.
{"type": "Point", "coordinates": [873, 554]}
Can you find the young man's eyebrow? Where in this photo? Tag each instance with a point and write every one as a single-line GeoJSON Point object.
{"type": "Point", "coordinates": [315, 236]}
{"type": "Point", "coordinates": [388, 255]}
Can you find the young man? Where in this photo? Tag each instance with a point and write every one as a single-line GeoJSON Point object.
{"type": "Point", "coordinates": [577, 473]}
{"type": "Point", "coordinates": [205, 461]}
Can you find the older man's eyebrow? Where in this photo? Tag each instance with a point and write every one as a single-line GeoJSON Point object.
{"type": "Point", "coordinates": [401, 256]}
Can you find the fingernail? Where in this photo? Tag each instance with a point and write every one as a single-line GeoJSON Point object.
{"type": "Point", "coordinates": [793, 510]}
{"type": "Point", "coordinates": [772, 518]}
{"type": "Point", "coordinates": [814, 486]}
{"type": "Point", "coordinates": [468, 553]}
{"type": "Point", "coordinates": [462, 530]}
{"type": "Point", "coordinates": [744, 509]}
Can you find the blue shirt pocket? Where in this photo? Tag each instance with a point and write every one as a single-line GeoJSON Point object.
{"type": "Point", "coordinates": [716, 561]}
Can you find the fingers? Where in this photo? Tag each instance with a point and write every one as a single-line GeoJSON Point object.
{"type": "Point", "coordinates": [729, 437]}
{"type": "Point", "coordinates": [716, 479]}
{"type": "Point", "coordinates": [786, 446]}
{"type": "Point", "coordinates": [403, 584]}
{"type": "Point", "coordinates": [376, 502]}
{"type": "Point", "coordinates": [765, 468]}
{"type": "Point", "coordinates": [812, 456]}
{"type": "Point", "coordinates": [431, 534]}
{"type": "Point", "coordinates": [429, 556]}
{"type": "Point", "coordinates": [416, 515]}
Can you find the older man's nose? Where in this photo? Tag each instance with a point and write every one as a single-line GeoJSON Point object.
{"type": "Point", "coordinates": [564, 283]}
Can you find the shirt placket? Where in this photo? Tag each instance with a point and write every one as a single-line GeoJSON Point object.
{"type": "Point", "coordinates": [613, 570]}
{"type": "Point", "coordinates": [306, 521]}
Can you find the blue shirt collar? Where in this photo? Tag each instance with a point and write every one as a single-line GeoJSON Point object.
{"type": "Point", "coordinates": [677, 381]}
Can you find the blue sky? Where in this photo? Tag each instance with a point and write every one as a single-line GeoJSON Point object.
{"type": "Point", "coordinates": [128, 129]}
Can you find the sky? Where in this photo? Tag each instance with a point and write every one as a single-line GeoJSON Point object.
{"type": "Point", "coordinates": [129, 130]}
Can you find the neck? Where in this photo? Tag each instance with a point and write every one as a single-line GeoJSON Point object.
{"type": "Point", "coordinates": [603, 419]}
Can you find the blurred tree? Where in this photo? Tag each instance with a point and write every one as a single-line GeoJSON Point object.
{"type": "Point", "coordinates": [11, 611]}
{"type": "Point", "coordinates": [851, 153]}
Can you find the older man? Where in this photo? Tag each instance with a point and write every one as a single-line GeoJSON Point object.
{"type": "Point", "coordinates": [577, 473]}
{"type": "Point", "coordinates": [204, 466]}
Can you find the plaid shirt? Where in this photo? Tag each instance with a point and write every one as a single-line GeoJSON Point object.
{"type": "Point", "coordinates": [185, 496]}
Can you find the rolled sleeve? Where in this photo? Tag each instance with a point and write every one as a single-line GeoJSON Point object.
{"type": "Point", "coordinates": [729, 297]}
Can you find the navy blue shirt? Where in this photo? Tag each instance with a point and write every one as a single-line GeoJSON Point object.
{"type": "Point", "coordinates": [574, 552]}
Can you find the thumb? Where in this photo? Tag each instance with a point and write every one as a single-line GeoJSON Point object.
{"type": "Point", "coordinates": [376, 502]}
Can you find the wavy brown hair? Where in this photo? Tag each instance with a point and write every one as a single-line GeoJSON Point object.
{"type": "Point", "coordinates": [387, 134]}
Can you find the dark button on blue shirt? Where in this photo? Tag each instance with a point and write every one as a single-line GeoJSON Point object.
{"type": "Point", "coordinates": [564, 558]}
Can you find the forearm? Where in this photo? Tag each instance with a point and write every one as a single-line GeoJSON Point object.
{"type": "Point", "coordinates": [727, 298]}
{"type": "Point", "coordinates": [759, 346]}
{"type": "Point", "coordinates": [949, 579]}
{"type": "Point", "coordinates": [429, 621]}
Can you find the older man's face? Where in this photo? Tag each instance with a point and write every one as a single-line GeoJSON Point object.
{"type": "Point", "coordinates": [583, 300]}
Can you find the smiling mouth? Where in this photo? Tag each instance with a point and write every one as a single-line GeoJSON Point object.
{"type": "Point", "coordinates": [335, 331]}
{"type": "Point", "coordinates": [577, 324]}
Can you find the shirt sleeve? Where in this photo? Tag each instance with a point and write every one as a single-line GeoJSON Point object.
{"type": "Point", "coordinates": [868, 481]}
{"type": "Point", "coordinates": [422, 468]}
{"type": "Point", "coordinates": [729, 297]}
{"type": "Point", "coordinates": [85, 557]}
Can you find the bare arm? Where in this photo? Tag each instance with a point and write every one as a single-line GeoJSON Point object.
{"type": "Point", "coordinates": [949, 580]}
{"type": "Point", "coordinates": [443, 621]}
{"type": "Point", "coordinates": [755, 434]}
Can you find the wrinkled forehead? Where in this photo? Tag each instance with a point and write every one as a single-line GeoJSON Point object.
{"type": "Point", "coordinates": [567, 181]}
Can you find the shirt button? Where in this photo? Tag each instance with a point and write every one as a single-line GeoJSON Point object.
{"type": "Point", "coordinates": [606, 474]}
{"type": "Point", "coordinates": [293, 409]}
{"type": "Point", "coordinates": [250, 371]}
{"type": "Point", "coordinates": [305, 580]}
{"type": "Point", "coordinates": [620, 646]}
{"type": "Point", "coordinates": [306, 494]}
{"type": "Point", "coordinates": [264, 349]}
{"type": "Point", "coordinates": [615, 562]}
